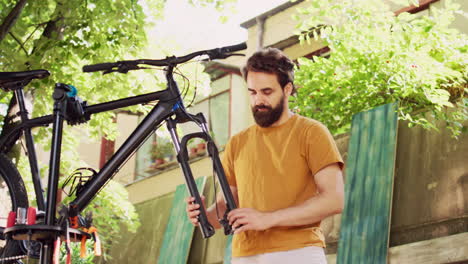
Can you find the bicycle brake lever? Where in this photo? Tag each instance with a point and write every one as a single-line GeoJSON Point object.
{"type": "Point", "coordinates": [108, 71]}
{"type": "Point", "coordinates": [228, 230]}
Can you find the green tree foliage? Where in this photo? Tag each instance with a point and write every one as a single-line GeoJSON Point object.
{"type": "Point", "coordinates": [62, 36]}
{"type": "Point", "coordinates": [377, 57]}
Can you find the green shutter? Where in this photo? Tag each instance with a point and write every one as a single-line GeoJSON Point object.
{"type": "Point", "coordinates": [365, 222]}
{"type": "Point", "coordinates": [228, 251]}
{"type": "Point", "coordinates": [179, 231]}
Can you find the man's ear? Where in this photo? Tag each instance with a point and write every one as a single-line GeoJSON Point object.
{"type": "Point", "coordinates": [288, 89]}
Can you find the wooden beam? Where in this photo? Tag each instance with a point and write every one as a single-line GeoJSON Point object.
{"type": "Point", "coordinates": [423, 5]}
{"type": "Point", "coordinates": [178, 236]}
{"type": "Point", "coordinates": [370, 167]}
{"type": "Point", "coordinates": [449, 249]}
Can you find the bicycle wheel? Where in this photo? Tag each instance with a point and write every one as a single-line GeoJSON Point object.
{"type": "Point", "coordinates": [12, 195]}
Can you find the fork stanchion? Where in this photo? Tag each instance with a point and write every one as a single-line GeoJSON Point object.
{"type": "Point", "coordinates": [206, 228]}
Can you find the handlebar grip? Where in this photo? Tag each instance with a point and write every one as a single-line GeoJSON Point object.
{"type": "Point", "coordinates": [233, 48]}
{"type": "Point", "coordinates": [99, 67]}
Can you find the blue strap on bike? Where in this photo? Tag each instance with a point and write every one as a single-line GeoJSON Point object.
{"type": "Point", "coordinates": [73, 91]}
{"type": "Point", "coordinates": [176, 106]}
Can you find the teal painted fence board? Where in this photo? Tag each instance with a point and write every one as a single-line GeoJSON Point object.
{"type": "Point", "coordinates": [179, 231]}
{"type": "Point", "coordinates": [228, 251]}
{"type": "Point", "coordinates": [365, 221]}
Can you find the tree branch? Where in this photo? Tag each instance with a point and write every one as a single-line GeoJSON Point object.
{"type": "Point", "coordinates": [19, 42]}
{"type": "Point", "coordinates": [11, 18]}
{"type": "Point", "coordinates": [30, 35]}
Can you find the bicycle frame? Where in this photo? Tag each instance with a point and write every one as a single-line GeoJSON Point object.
{"type": "Point", "coordinates": [170, 108]}
{"type": "Point", "coordinates": [154, 118]}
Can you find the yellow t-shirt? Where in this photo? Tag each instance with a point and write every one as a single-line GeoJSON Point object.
{"type": "Point", "coordinates": [272, 169]}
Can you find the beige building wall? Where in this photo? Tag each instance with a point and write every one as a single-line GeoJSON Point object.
{"type": "Point", "coordinates": [125, 125]}
{"type": "Point", "coordinates": [89, 149]}
{"type": "Point", "coordinates": [278, 31]}
{"type": "Point", "coordinates": [241, 115]}
{"type": "Point", "coordinates": [164, 183]}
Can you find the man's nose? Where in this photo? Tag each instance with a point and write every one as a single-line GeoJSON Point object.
{"type": "Point", "coordinates": [259, 99]}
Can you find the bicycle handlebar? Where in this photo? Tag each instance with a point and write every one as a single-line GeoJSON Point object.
{"type": "Point", "coordinates": [99, 67]}
{"type": "Point", "coordinates": [126, 65]}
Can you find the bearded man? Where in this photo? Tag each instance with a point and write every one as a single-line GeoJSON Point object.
{"type": "Point", "coordinates": [285, 173]}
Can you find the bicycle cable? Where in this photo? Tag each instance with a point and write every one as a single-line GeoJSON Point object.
{"type": "Point", "coordinates": [185, 85]}
{"type": "Point", "coordinates": [182, 94]}
{"type": "Point", "coordinates": [196, 79]}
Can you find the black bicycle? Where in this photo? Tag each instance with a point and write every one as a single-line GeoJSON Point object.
{"type": "Point", "coordinates": [20, 227]}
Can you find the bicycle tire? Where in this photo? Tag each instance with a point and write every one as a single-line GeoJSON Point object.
{"type": "Point", "coordinates": [13, 193]}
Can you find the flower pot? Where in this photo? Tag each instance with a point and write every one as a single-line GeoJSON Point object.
{"type": "Point", "coordinates": [193, 152]}
{"type": "Point", "coordinates": [201, 149]}
{"type": "Point", "coordinates": [158, 162]}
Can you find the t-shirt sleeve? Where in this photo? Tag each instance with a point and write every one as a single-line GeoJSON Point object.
{"type": "Point", "coordinates": [321, 149]}
{"type": "Point", "coordinates": [228, 164]}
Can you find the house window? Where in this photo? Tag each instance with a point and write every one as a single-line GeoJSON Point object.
{"type": "Point", "coordinates": [157, 153]}
{"type": "Point", "coordinates": [216, 109]}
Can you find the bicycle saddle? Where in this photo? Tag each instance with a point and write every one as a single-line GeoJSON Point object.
{"type": "Point", "coordinates": [19, 76]}
{"type": "Point", "coordinates": [9, 80]}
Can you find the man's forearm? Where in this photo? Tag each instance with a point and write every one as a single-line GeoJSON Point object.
{"type": "Point", "coordinates": [311, 211]}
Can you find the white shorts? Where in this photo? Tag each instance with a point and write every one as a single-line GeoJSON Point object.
{"type": "Point", "coordinates": [307, 255]}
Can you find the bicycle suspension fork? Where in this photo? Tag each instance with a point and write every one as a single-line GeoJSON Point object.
{"type": "Point", "coordinates": [182, 157]}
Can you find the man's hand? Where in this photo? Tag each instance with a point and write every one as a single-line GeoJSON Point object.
{"type": "Point", "coordinates": [193, 209]}
{"type": "Point", "coordinates": [244, 219]}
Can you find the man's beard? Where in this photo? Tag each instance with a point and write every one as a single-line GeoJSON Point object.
{"type": "Point", "coordinates": [268, 118]}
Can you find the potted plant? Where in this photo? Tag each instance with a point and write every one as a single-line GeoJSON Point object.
{"type": "Point", "coordinates": [161, 148]}
{"type": "Point", "coordinates": [201, 147]}
{"type": "Point", "coordinates": [156, 156]}
{"type": "Point", "coordinates": [193, 150]}
{"type": "Point", "coordinates": [167, 150]}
